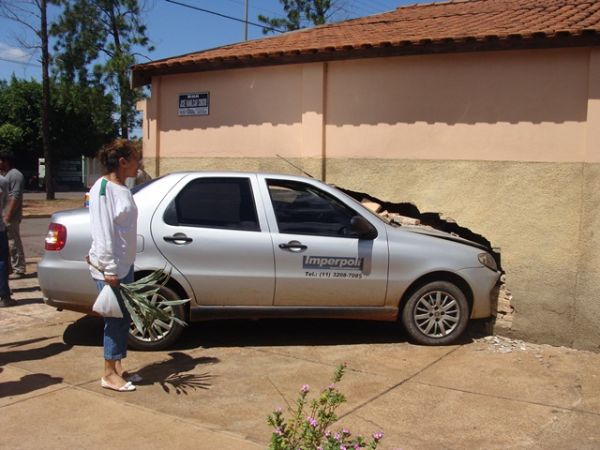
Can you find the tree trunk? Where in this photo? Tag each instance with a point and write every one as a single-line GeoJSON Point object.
{"type": "Point", "coordinates": [123, 94]}
{"type": "Point", "coordinates": [122, 78]}
{"type": "Point", "coordinates": [49, 177]}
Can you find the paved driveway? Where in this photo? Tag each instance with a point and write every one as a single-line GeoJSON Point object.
{"type": "Point", "coordinates": [215, 389]}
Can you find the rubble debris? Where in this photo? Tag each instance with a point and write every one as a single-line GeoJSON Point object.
{"type": "Point", "coordinates": [501, 344]}
{"type": "Point", "coordinates": [409, 214]}
{"type": "Point", "coordinates": [371, 206]}
{"type": "Point", "coordinates": [505, 311]}
{"type": "Point", "coordinates": [543, 353]}
{"type": "Point", "coordinates": [402, 220]}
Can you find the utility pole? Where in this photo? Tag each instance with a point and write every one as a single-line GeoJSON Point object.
{"type": "Point", "coordinates": [245, 20]}
{"type": "Point", "coordinates": [46, 144]}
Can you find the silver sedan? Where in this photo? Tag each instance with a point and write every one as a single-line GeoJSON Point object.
{"type": "Point", "coordinates": [247, 245]}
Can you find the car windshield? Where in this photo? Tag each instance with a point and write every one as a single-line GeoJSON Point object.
{"type": "Point", "coordinates": [139, 187]}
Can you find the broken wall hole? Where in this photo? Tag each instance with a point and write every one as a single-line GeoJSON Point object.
{"type": "Point", "coordinates": [407, 214]}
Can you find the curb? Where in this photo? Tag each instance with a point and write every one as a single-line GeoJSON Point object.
{"type": "Point", "coordinates": [37, 216]}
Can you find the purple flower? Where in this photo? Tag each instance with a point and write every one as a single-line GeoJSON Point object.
{"type": "Point", "coordinates": [305, 388]}
{"type": "Point", "coordinates": [278, 431]}
{"type": "Point", "coordinates": [312, 421]}
{"type": "Point", "coordinates": [337, 437]}
{"type": "Point", "coordinates": [279, 409]}
{"type": "Point", "coordinates": [332, 386]}
{"type": "Point", "coordinates": [378, 436]}
{"type": "Point", "coordinates": [346, 431]}
{"type": "Point", "coordinates": [343, 447]}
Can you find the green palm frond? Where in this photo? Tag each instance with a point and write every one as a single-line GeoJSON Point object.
{"type": "Point", "coordinates": [143, 301]}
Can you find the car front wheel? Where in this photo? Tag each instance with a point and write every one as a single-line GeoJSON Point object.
{"type": "Point", "coordinates": [436, 314]}
{"type": "Point", "coordinates": [165, 333]}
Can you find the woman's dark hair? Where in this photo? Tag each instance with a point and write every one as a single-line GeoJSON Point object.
{"type": "Point", "coordinates": [110, 154]}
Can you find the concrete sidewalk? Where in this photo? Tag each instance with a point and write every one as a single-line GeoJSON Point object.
{"type": "Point", "coordinates": [215, 389]}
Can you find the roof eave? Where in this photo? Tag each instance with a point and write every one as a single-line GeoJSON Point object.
{"type": "Point", "coordinates": [142, 74]}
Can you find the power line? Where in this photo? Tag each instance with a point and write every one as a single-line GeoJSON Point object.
{"type": "Point", "coordinates": [19, 62]}
{"type": "Point", "coordinates": [377, 4]}
{"type": "Point", "coordinates": [224, 15]}
{"type": "Point", "coordinates": [238, 2]}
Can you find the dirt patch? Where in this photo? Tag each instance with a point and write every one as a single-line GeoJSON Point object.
{"type": "Point", "coordinates": [49, 207]}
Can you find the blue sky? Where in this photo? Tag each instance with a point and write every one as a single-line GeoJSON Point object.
{"type": "Point", "coordinates": [175, 30]}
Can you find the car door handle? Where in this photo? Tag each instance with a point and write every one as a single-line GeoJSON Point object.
{"type": "Point", "coordinates": [178, 238]}
{"type": "Point", "coordinates": [293, 246]}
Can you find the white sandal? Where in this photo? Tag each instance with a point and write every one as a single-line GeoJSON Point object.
{"type": "Point", "coordinates": [127, 387]}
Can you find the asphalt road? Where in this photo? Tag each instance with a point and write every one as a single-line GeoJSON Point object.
{"type": "Point", "coordinates": [33, 232]}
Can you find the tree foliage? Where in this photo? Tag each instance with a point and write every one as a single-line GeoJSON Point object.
{"type": "Point", "coordinates": [96, 43]}
{"type": "Point", "coordinates": [301, 14]}
{"type": "Point", "coordinates": [80, 119]}
{"type": "Point", "coordinates": [32, 15]}
{"type": "Point", "coordinates": [11, 137]}
{"type": "Point", "coordinates": [20, 108]}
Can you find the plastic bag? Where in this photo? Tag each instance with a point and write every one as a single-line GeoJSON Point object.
{"type": "Point", "coordinates": [106, 303]}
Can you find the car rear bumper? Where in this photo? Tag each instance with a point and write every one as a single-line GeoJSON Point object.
{"type": "Point", "coordinates": [65, 283]}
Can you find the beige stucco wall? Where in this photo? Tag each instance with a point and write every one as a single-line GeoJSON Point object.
{"type": "Point", "coordinates": [514, 106]}
{"type": "Point", "coordinates": [505, 143]}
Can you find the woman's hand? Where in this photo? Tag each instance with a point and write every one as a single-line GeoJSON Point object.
{"type": "Point", "coordinates": [112, 280]}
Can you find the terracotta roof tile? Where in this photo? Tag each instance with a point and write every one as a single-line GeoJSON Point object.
{"type": "Point", "coordinates": [462, 25]}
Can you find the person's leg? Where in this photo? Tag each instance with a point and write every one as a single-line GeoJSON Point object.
{"type": "Point", "coordinates": [5, 299]}
{"type": "Point", "coordinates": [116, 332]}
{"type": "Point", "coordinates": [17, 254]}
{"type": "Point", "coordinates": [115, 349]}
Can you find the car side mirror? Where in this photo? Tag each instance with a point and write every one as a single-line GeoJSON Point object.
{"type": "Point", "coordinates": [363, 228]}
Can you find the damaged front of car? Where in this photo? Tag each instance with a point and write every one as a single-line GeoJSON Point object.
{"type": "Point", "coordinates": [440, 282]}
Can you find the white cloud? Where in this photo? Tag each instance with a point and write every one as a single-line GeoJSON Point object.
{"type": "Point", "coordinates": [14, 53]}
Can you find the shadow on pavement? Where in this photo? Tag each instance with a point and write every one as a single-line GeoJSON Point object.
{"type": "Point", "coordinates": [87, 331]}
{"type": "Point", "coordinates": [25, 342]}
{"type": "Point", "coordinates": [26, 289]}
{"type": "Point", "coordinates": [26, 276]}
{"type": "Point", "coordinates": [28, 383]}
{"type": "Point", "coordinates": [34, 354]}
{"type": "Point", "coordinates": [29, 301]}
{"type": "Point", "coordinates": [288, 332]}
{"type": "Point", "coordinates": [169, 374]}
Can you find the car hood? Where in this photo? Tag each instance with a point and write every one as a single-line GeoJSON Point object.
{"type": "Point", "coordinates": [429, 231]}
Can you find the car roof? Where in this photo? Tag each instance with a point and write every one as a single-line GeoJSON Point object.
{"type": "Point", "coordinates": [221, 173]}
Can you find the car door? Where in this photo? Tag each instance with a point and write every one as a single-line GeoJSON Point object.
{"type": "Point", "coordinates": [212, 231]}
{"type": "Point", "coordinates": [318, 260]}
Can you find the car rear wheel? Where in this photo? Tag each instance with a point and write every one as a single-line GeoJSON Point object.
{"type": "Point", "coordinates": [166, 332]}
{"type": "Point", "coordinates": [436, 314]}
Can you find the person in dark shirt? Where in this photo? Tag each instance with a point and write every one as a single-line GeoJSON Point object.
{"type": "Point", "coordinates": [5, 299]}
{"type": "Point", "coordinates": [12, 211]}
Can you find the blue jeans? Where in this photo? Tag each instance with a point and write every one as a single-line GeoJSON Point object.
{"type": "Point", "coordinates": [116, 330]}
{"type": "Point", "coordinates": [4, 265]}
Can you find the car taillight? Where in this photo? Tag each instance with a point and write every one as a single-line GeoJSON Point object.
{"type": "Point", "coordinates": [56, 237]}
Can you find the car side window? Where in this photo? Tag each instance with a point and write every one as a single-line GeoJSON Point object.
{"type": "Point", "coordinates": [225, 203]}
{"type": "Point", "coordinates": [304, 209]}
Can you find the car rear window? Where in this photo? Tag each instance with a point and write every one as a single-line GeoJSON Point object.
{"type": "Point", "coordinates": [225, 203]}
{"type": "Point", "coordinates": [137, 188]}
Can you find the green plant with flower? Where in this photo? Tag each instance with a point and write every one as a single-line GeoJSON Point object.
{"type": "Point", "coordinates": [308, 427]}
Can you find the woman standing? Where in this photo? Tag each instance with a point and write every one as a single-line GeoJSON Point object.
{"type": "Point", "coordinates": [113, 220]}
